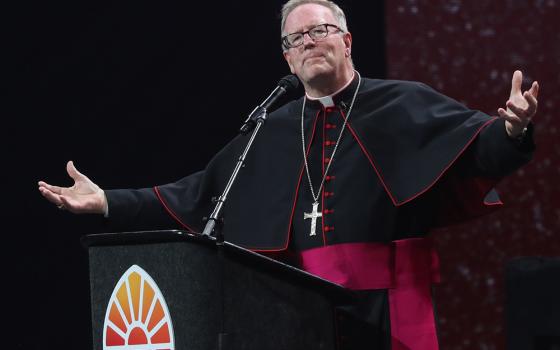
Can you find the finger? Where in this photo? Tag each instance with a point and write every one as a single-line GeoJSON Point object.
{"type": "Point", "coordinates": [73, 172]}
{"type": "Point", "coordinates": [534, 90]}
{"type": "Point", "coordinates": [65, 203]}
{"type": "Point", "coordinates": [509, 117]}
{"type": "Point", "coordinates": [518, 111]}
{"type": "Point", "coordinates": [50, 196]}
{"type": "Point", "coordinates": [51, 188]}
{"type": "Point", "coordinates": [516, 81]}
{"type": "Point", "coordinates": [532, 102]}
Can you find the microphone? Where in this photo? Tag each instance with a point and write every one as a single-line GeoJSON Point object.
{"type": "Point", "coordinates": [285, 85]}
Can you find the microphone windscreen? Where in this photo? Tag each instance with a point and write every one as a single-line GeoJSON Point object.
{"type": "Point", "coordinates": [289, 82]}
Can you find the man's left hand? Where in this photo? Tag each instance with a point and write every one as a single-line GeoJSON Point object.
{"type": "Point", "coordinates": [521, 106]}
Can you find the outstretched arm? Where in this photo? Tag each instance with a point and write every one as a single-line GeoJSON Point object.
{"type": "Point", "coordinates": [81, 198]}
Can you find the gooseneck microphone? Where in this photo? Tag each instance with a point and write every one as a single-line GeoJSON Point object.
{"type": "Point", "coordinates": [287, 84]}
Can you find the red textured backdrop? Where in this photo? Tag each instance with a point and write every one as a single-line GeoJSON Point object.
{"type": "Point", "coordinates": [469, 50]}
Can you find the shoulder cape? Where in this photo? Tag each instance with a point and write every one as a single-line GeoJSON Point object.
{"type": "Point", "coordinates": [411, 135]}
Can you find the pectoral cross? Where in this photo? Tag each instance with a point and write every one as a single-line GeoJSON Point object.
{"type": "Point", "coordinates": [313, 216]}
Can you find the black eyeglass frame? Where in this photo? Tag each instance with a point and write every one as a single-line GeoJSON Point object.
{"type": "Point", "coordinates": [286, 45]}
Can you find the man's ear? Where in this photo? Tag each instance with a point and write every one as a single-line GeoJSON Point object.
{"type": "Point", "coordinates": [287, 57]}
{"type": "Point", "coordinates": [348, 42]}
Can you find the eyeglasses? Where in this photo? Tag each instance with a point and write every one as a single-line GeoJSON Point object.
{"type": "Point", "coordinates": [316, 33]}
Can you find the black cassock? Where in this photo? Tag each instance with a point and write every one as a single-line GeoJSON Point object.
{"type": "Point", "coordinates": [410, 159]}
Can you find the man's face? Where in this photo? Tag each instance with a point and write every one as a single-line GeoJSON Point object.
{"type": "Point", "coordinates": [315, 59]}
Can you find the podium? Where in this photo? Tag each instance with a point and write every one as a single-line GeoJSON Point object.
{"type": "Point", "coordinates": [175, 290]}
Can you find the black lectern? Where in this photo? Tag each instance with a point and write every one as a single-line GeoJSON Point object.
{"type": "Point", "coordinates": [175, 290]}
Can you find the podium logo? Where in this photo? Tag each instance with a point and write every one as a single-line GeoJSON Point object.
{"type": "Point", "coordinates": [137, 316]}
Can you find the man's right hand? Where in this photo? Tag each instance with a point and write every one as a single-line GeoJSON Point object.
{"type": "Point", "coordinates": [83, 197]}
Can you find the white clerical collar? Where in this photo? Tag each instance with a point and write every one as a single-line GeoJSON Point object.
{"type": "Point", "coordinates": [327, 101]}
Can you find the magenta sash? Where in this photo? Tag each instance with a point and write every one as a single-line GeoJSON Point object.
{"type": "Point", "coordinates": [406, 268]}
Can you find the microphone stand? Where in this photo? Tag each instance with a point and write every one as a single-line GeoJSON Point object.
{"type": "Point", "coordinates": [254, 122]}
{"type": "Point", "coordinates": [213, 227]}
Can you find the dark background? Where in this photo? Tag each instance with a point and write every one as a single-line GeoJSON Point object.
{"type": "Point", "coordinates": [140, 93]}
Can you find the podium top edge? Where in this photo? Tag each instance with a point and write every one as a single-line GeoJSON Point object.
{"type": "Point", "coordinates": [141, 237]}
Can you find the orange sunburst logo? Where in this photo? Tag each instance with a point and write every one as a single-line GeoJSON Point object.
{"type": "Point", "coordinates": [137, 316]}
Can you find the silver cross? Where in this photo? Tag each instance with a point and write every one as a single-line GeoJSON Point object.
{"type": "Point", "coordinates": [313, 216]}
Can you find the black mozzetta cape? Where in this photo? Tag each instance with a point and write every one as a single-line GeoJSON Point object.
{"type": "Point", "coordinates": [415, 142]}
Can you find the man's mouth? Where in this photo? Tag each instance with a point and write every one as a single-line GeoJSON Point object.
{"type": "Point", "coordinates": [313, 57]}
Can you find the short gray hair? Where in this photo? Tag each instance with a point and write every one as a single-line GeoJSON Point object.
{"type": "Point", "coordinates": [335, 9]}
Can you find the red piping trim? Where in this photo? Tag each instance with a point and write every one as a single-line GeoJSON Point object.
{"type": "Point", "coordinates": [295, 195]}
{"type": "Point", "coordinates": [171, 212]}
{"type": "Point", "coordinates": [395, 202]}
{"type": "Point", "coordinates": [370, 158]}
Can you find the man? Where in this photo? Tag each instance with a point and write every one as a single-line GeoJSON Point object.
{"type": "Point", "coordinates": [350, 179]}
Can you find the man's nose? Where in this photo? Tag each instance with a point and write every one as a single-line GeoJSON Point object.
{"type": "Point", "coordinates": [309, 39]}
